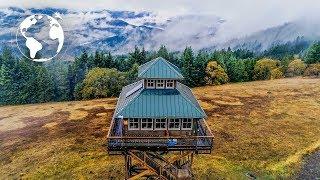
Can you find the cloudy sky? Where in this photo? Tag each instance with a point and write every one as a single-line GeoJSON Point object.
{"type": "Point", "coordinates": [241, 15]}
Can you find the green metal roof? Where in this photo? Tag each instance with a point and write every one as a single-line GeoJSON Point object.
{"type": "Point", "coordinates": [159, 68]}
{"type": "Point", "coordinates": [158, 103]}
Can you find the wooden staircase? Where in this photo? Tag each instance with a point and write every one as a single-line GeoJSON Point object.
{"type": "Point", "coordinates": [153, 165]}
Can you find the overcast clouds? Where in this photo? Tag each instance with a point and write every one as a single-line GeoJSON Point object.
{"type": "Point", "coordinates": [242, 15]}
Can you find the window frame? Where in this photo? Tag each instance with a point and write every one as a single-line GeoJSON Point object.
{"type": "Point", "coordinates": [151, 81]}
{"type": "Point", "coordinates": [158, 82]}
{"type": "Point", "coordinates": [183, 123]}
{"type": "Point", "coordinates": [156, 123]}
{"type": "Point", "coordinates": [129, 123]}
{"type": "Point", "coordinates": [171, 81]}
{"type": "Point", "coordinates": [174, 123]}
{"type": "Point", "coordinates": [147, 121]}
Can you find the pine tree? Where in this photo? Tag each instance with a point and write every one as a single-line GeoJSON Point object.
{"type": "Point", "coordinates": [71, 82]}
{"type": "Point", "coordinates": [108, 61]}
{"type": "Point", "coordinates": [97, 59]}
{"type": "Point", "coordinates": [80, 67]}
{"type": "Point", "coordinates": [200, 65]}
{"type": "Point", "coordinates": [58, 70]}
{"type": "Point", "coordinates": [187, 66]}
{"type": "Point", "coordinates": [143, 56]}
{"type": "Point", "coordinates": [134, 57]}
{"type": "Point", "coordinates": [313, 54]}
{"type": "Point", "coordinates": [163, 52]}
{"type": "Point", "coordinates": [44, 83]}
{"type": "Point", "coordinates": [132, 74]}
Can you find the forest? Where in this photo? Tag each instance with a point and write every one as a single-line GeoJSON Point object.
{"type": "Point", "coordinates": [101, 74]}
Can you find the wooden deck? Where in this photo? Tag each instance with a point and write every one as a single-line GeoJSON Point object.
{"type": "Point", "coordinates": [201, 143]}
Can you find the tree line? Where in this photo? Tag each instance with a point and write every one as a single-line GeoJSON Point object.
{"type": "Point", "coordinates": [101, 74]}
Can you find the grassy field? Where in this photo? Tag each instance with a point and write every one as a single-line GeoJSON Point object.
{"type": "Point", "coordinates": [263, 128]}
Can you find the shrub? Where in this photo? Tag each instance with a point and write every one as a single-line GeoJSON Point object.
{"type": "Point", "coordinates": [276, 73]}
{"type": "Point", "coordinates": [313, 70]}
{"type": "Point", "coordinates": [295, 68]}
{"type": "Point", "coordinates": [215, 74]}
{"type": "Point", "coordinates": [264, 67]}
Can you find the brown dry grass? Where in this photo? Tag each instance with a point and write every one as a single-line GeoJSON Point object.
{"type": "Point", "coordinates": [263, 127]}
{"type": "Point", "coordinates": [57, 140]}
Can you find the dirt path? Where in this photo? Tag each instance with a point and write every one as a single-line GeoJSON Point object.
{"type": "Point", "coordinates": [311, 167]}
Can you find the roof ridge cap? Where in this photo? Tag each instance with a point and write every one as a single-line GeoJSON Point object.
{"type": "Point", "coordinates": [202, 111]}
{"type": "Point", "coordinates": [116, 112]}
{"type": "Point", "coordinates": [170, 66]}
{"type": "Point", "coordinates": [144, 71]}
{"type": "Point", "coordinates": [130, 102]}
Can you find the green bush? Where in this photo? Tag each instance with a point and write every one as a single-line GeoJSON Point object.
{"type": "Point", "coordinates": [215, 74]}
{"type": "Point", "coordinates": [313, 70]}
{"type": "Point", "coordinates": [264, 67]}
{"type": "Point", "coordinates": [295, 68]}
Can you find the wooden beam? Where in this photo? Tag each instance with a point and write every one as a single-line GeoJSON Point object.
{"type": "Point", "coordinates": [176, 158]}
{"type": "Point", "coordinates": [140, 175]}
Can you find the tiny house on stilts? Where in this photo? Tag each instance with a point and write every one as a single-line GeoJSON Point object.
{"type": "Point", "coordinates": [154, 117]}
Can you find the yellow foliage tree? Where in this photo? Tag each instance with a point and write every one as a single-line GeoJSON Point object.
{"type": "Point", "coordinates": [215, 74]}
{"type": "Point", "coordinates": [276, 73]}
{"type": "Point", "coordinates": [263, 69]}
{"type": "Point", "coordinates": [313, 70]}
{"type": "Point", "coordinates": [102, 82]}
{"type": "Point", "coordinates": [295, 68]}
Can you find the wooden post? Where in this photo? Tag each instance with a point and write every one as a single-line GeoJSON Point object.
{"type": "Point", "coordinates": [191, 159]}
{"type": "Point", "coordinates": [126, 160]}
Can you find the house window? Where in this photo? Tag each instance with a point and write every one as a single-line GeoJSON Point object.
{"type": "Point", "coordinates": [174, 124]}
{"type": "Point", "coordinates": [160, 84]}
{"type": "Point", "coordinates": [146, 124]}
{"type": "Point", "coordinates": [186, 124]}
{"type": "Point", "coordinates": [150, 83]}
{"type": "Point", "coordinates": [169, 84]}
{"type": "Point", "coordinates": [133, 124]}
{"type": "Point", "coordinates": [160, 124]}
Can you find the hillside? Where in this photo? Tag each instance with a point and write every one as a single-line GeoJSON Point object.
{"type": "Point", "coordinates": [263, 128]}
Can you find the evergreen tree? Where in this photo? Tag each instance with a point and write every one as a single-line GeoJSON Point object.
{"type": "Point", "coordinates": [187, 66]}
{"type": "Point", "coordinates": [58, 70]}
{"type": "Point", "coordinates": [132, 74]}
{"type": "Point", "coordinates": [44, 86]}
{"type": "Point", "coordinates": [5, 84]}
{"type": "Point", "coordinates": [249, 69]}
{"type": "Point", "coordinates": [134, 57]}
{"type": "Point", "coordinates": [108, 61]}
{"type": "Point", "coordinates": [71, 82]}
{"type": "Point", "coordinates": [80, 67]}
{"type": "Point", "coordinates": [237, 71]}
{"type": "Point", "coordinates": [313, 54]}
{"type": "Point", "coordinates": [98, 59]}
{"type": "Point", "coordinates": [163, 52]}
{"type": "Point", "coordinates": [200, 65]}
{"type": "Point", "coordinates": [143, 56]}
{"type": "Point", "coordinates": [91, 62]}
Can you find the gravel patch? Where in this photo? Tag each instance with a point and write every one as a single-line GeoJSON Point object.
{"type": "Point", "coordinates": [310, 167]}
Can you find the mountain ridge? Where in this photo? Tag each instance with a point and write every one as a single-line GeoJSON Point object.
{"type": "Point", "coordinates": [119, 31]}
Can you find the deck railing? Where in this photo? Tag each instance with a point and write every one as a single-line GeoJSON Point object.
{"type": "Point", "coordinates": [202, 141]}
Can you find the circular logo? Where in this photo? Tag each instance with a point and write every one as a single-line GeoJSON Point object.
{"type": "Point", "coordinates": [40, 37]}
